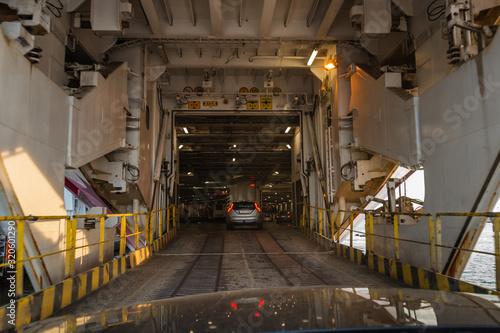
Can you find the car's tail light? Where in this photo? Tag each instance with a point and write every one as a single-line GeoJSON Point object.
{"type": "Point", "coordinates": [230, 208]}
{"type": "Point", "coordinates": [288, 215]}
{"type": "Point", "coordinates": [257, 207]}
{"type": "Point", "coordinates": [277, 216]}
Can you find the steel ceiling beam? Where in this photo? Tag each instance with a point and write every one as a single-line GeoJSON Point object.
{"type": "Point", "coordinates": [312, 12]}
{"type": "Point", "coordinates": [193, 13]}
{"type": "Point", "coordinates": [152, 16]}
{"type": "Point", "coordinates": [330, 15]}
{"type": "Point", "coordinates": [287, 15]}
{"type": "Point", "coordinates": [240, 16]}
{"type": "Point", "coordinates": [267, 17]}
{"type": "Point", "coordinates": [170, 18]}
{"type": "Point", "coordinates": [216, 16]}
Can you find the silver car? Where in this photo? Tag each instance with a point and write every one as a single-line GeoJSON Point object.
{"type": "Point", "coordinates": [243, 213]}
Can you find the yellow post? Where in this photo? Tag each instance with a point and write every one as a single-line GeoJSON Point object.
{"type": "Point", "coordinates": [439, 249]}
{"type": "Point", "coordinates": [72, 268]}
{"type": "Point", "coordinates": [168, 217]}
{"type": "Point", "coordinates": [67, 254]}
{"type": "Point", "coordinates": [123, 234]}
{"type": "Point", "coordinates": [496, 229]}
{"type": "Point", "coordinates": [338, 227]}
{"type": "Point", "coordinates": [101, 241]}
{"type": "Point", "coordinates": [151, 228]}
{"type": "Point", "coordinates": [367, 232]}
{"type": "Point", "coordinates": [432, 243]}
{"type": "Point", "coordinates": [396, 237]}
{"type": "Point", "coordinates": [332, 226]}
{"type": "Point", "coordinates": [19, 257]}
{"type": "Point", "coordinates": [136, 224]}
{"type": "Point", "coordinates": [351, 228]}
{"type": "Point", "coordinates": [320, 222]}
{"type": "Point", "coordinates": [370, 225]}
{"type": "Point", "coordinates": [160, 224]}
{"type": "Point", "coordinates": [148, 240]}
{"type": "Point", "coordinates": [310, 218]}
{"type": "Point", "coordinates": [303, 222]}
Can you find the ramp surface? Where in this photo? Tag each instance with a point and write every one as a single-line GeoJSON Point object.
{"type": "Point", "coordinates": [206, 258]}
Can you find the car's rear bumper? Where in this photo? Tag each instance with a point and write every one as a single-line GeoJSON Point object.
{"type": "Point", "coordinates": [244, 221]}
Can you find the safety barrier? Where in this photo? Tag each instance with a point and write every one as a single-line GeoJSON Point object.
{"type": "Point", "coordinates": [159, 228]}
{"type": "Point", "coordinates": [329, 228]}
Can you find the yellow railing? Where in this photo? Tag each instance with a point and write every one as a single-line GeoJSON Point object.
{"type": "Point", "coordinates": [149, 233]}
{"type": "Point", "coordinates": [338, 225]}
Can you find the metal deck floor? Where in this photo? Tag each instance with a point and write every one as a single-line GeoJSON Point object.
{"type": "Point", "coordinates": [206, 258]}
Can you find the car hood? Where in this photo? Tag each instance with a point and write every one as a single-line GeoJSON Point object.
{"type": "Point", "coordinates": [290, 309]}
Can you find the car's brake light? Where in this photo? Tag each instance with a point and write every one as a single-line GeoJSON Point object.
{"type": "Point", "coordinates": [277, 216]}
{"type": "Point", "coordinates": [230, 208]}
{"type": "Point", "coordinates": [258, 209]}
{"type": "Point", "coordinates": [288, 215]}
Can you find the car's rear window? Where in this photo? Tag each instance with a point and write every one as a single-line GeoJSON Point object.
{"type": "Point", "coordinates": [244, 205]}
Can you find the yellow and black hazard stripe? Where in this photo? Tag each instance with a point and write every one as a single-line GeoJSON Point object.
{"type": "Point", "coordinates": [45, 303]}
{"type": "Point", "coordinates": [408, 274]}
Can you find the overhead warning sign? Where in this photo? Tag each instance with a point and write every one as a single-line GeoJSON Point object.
{"type": "Point", "coordinates": [266, 103]}
{"type": "Point", "coordinates": [210, 103]}
{"type": "Point", "coordinates": [194, 105]}
{"type": "Point", "coordinates": [252, 105]}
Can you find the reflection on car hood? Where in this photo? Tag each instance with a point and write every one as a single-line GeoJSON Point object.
{"type": "Point", "coordinates": [289, 309]}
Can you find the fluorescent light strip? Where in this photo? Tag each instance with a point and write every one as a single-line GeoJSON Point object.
{"type": "Point", "coordinates": [288, 129]}
{"type": "Point", "coordinates": [185, 130]}
{"type": "Point", "coordinates": [313, 56]}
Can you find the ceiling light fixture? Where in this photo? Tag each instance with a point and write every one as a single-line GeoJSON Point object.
{"type": "Point", "coordinates": [313, 55]}
{"type": "Point", "coordinates": [276, 172]}
{"type": "Point", "coordinates": [288, 129]}
{"type": "Point", "coordinates": [185, 130]}
{"type": "Point", "coordinates": [234, 146]}
{"type": "Point", "coordinates": [289, 147]}
{"type": "Point", "coordinates": [234, 159]}
{"type": "Point", "coordinates": [180, 147]}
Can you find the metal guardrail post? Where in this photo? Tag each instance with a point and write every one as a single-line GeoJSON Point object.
{"type": "Point", "coordinates": [101, 241]}
{"type": "Point", "coordinates": [496, 229]}
{"type": "Point", "coordinates": [396, 237]}
{"type": "Point", "coordinates": [432, 243]}
{"type": "Point", "coordinates": [151, 228]}
{"type": "Point", "coordinates": [69, 243]}
{"type": "Point", "coordinates": [72, 267]}
{"type": "Point", "coordinates": [310, 218]}
{"type": "Point", "coordinates": [303, 220]}
{"type": "Point", "coordinates": [367, 232]}
{"type": "Point", "coordinates": [136, 225]}
{"type": "Point", "coordinates": [338, 227]}
{"type": "Point", "coordinates": [439, 249]}
{"type": "Point", "coordinates": [320, 222]}
{"type": "Point", "coordinates": [351, 228]}
{"type": "Point", "coordinates": [148, 240]}
{"type": "Point", "coordinates": [332, 226]}
{"type": "Point", "coordinates": [160, 224]}
{"type": "Point", "coordinates": [370, 225]}
{"type": "Point", "coordinates": [19, 257]}
{"type": "Point", "coordinates": [123, 234]}
{"type": "Point", "coordinates": [168, 217]}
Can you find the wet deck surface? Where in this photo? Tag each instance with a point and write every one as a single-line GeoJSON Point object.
{"type": "Point", "coordinates": [206, 258]}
